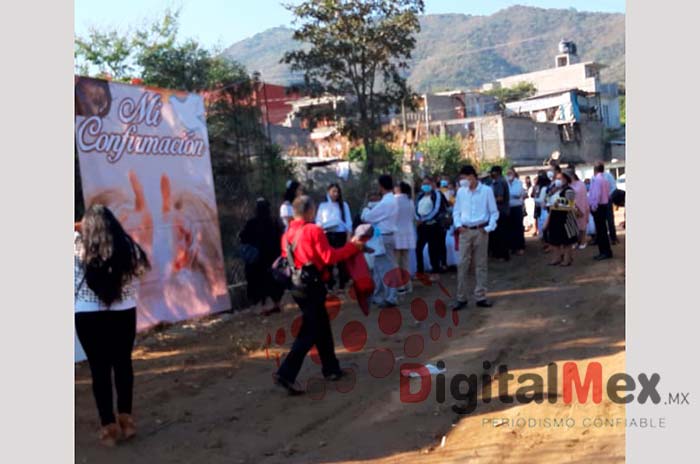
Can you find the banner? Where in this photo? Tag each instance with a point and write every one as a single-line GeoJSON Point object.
{"type": "Point", "coordinates": [144, 153]}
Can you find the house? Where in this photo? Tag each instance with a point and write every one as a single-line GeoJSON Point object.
{"type": "Point", "coordinates": [570, 74]}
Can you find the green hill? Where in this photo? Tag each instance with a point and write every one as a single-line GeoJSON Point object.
{"type": "Point", "coordinates": [464, 51]}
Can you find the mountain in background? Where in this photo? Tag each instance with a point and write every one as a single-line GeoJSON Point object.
{"type": "Point", "coordinates": [464, 51]}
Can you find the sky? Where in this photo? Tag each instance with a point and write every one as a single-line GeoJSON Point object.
{"type": "Point", "coordinates": [224, 22]}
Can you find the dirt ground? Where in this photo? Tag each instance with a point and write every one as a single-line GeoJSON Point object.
{"type": "Point", "coordinates": [204, 393]}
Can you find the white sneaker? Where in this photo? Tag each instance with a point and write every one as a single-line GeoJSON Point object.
{"type": "Point", "coordinates": [582, 246]}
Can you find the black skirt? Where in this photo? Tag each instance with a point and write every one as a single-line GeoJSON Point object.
{"type": "Point", "coordinates": [557, 232]}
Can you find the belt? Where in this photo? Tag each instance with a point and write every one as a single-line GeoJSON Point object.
{"type": "Point", "coordinates": [477, 226]}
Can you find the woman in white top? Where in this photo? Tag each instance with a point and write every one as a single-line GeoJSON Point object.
{"type": "Point", "coordinates": [405, 235]}
{"type": "Point", "coordinates": [294, 189]}
{"type": "Point", "coordinates": [516, 227]}
{"type": "Point", "coordinates": [108, 264]}
{"type": "Point", "coordinates": [333, 216]}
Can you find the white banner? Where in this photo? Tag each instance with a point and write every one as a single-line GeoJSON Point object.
{"type": "Point", "coordinates": [144, 153]}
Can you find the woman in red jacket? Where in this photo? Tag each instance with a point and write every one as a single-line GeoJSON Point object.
{"type": "Point", "coordinates": [311, 248]}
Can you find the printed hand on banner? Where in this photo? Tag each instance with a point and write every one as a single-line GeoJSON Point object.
{"type": "Point", "coordinates": [196, 240]}
{"type": "Point", "coordinates": [138, 221]}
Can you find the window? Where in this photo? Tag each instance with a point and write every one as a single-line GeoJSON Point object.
{"type": "Point", "coordinates": [591, 71]}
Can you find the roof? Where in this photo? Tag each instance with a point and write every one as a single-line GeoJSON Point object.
{"type": "Point", "coordinates": [559, 92]}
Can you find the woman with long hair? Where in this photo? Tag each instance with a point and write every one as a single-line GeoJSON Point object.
{"type": "Point", "coordinates": [293, 190]}
{"type": "Point", "coordinates": [405, 234]}
{"type": "Point", "coordinates": [262, 236]}
{"type": "Point", "coordinates": [108, 264]}
{"type": "Point", "coordinates": [333, 216]}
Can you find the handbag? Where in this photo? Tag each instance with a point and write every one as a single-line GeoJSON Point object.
{"type": "Point", "coordinates": [298, 280]}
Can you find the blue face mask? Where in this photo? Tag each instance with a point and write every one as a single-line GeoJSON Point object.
{"type": "Point", "coordinates": [426, 188]}
{"type": "Point", "coordinates": [443, 183]}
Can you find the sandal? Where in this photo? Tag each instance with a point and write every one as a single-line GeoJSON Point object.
{"type": "Point", "coordinates": [109, 434]}
{"type": "Point", "coordinates": [126, 423]}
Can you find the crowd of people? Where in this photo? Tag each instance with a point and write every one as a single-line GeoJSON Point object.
{"type": "Point", "coordinates": [455, 223]}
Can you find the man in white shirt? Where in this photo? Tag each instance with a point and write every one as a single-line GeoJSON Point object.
{"type": "Point", "coordinates": [475, 215]}
{"type": "Point", "coordinates": [384, 217]}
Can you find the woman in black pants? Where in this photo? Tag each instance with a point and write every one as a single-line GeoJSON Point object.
{"type": "Point", "coordinates": [334, 217]}
{"type": "Point", "coordinates": [107, 266]}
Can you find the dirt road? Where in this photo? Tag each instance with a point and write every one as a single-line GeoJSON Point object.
{"type": "Point", "coordinates": [204, 393]}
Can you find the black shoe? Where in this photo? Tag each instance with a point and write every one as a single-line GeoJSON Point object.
{"type": "Point", "coordinates": [458, 305]}
{"type": "Point", "coordinates": [484, 304]}
{"type": "Point", "coordinates": [602, 257]}
{"type": "Point", "coordinates": [387, 304]}
{"type": "Point", "coordinates": [291, 388]}
{"type": "Point", "coordinates": [335, 376]}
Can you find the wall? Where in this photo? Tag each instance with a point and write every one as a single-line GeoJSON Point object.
{"type": "Point", "coordinates": [610, 111]}
{"type": "Point", "coordinates": [554, 79]}
{"type": "Point", "coordinates": [529, 142]}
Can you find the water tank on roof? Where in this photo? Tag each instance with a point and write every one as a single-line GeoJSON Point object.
{"type": "Point", "coordinates": [567, 46]}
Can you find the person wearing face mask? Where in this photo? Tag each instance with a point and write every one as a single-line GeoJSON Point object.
{"type": "Point", "coordinates": [500, 245]}
{"type": "Point", "coordinates": [384, 217]}
{"type": "Point", "coordinates": [430, 205]}
{"type": "Point", "coordinates": [475, 215]}
{"type": "Point", "coordinates": [448, 190]}
{"type": "Point", "coordinates": [516, 229]}
{"type": "Point", "coordinates": [582, 206]}
{"type": "Point", "coordinates": [561, 225]}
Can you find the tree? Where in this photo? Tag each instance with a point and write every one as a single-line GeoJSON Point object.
{"type": "Point", "coordinates": [442, 155]}
{"type": "Point", "coordinates": [519, 91]}
{"type": "Point", "coordinates": [359, 49]}
{"type": "Point", "coordinates": [106, 52]}
{"type": "Point", "coordinates": [386, 159]}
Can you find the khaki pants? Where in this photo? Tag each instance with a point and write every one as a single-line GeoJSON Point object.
{"type": "Point", "coordinates": [473, 247]}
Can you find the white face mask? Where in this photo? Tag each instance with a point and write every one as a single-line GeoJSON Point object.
{"type": "Point", "coordinates": [464, 183]}
{"type": "Point", "coordinates": [550, 174]}
{"type": "Point", "coordinates": [558, 183]}
{"type": "Point", "coordinates": [510, 178]}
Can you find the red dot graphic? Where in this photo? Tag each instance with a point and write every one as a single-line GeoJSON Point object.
{"type": "Point", "coordinates": [315, 388]}
{"type": "Point", "coordinates": [440, 308]}
{"type": "Point", "coordinates": [381, 363]}
{"type": "Point", "coordinates": [354, 336]}
{"type": "Point", "coordinates": [413, 347]}
{"type": "Point", "coordinates": [296, 327]}
{"type": "Point", "coordinates": [332, 306]}
{"type": "Point", "coordinates": [449, 331]}
{"type": "Point", "coordinates": [455, 317]}
{"type": "Point", "coordinates": [396, 278]}
{"type": "Point", "coordinates": [390, 320]}
{"type": "Point", "coordinates": [347, 383]}
{"type": "Point", "coordinates": [435, 332]}
{"type": "Point", "coordinates": [419, 309]}
{"type": "Point", "coordinates": [280, 336]}
{"type": "Point", "coordinates": [313, 353]}
{"type": "Point", "coordinates": [424, 279]}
